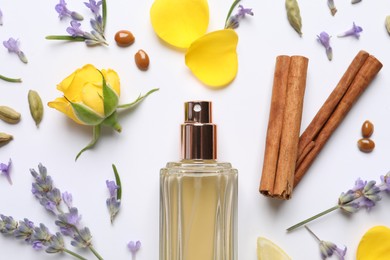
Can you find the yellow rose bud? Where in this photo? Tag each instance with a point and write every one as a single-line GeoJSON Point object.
{"type": "Point", "coordinates": [90, 95]}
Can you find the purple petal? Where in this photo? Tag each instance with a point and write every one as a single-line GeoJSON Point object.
{"type": "Point", "coordinates": [5, 169]}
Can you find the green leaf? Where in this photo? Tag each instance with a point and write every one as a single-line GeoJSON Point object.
{"type": "Point", "coordinates": [96, 135]}
{"type": "Point", "coordinates": [112, 121]}
{"type": "Point", "coordinates": [110, 98]}
{"type": "Point", "coordinates": [104, 14]}
{"type": "Point", "coordinates": [138, 100]}
{"type": "Point", "coordinates": [86, 114]}
{"type": "Point", "coordinates": [118, 182]}
{"type": "Point", "coordinates": [65, 38]}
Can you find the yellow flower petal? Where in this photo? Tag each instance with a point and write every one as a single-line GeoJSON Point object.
{"type": "Point", "coordinates": [62, 105]}
{"type": "Point", "coordinates": [180, 22]}
{"type": "Point", "coordinates": [374, 244]}
{"type": "Point", "coordinates": [112, 79]}
{"type": "Point", "coordinates": [92, 96]}
{"type": "Point", "coordinates": [213, 58]}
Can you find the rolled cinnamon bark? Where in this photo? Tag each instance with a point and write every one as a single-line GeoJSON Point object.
{"type": "Point", "coordinates": [284, 126]}
{"type": "Point", "coordinates": [355, 80]}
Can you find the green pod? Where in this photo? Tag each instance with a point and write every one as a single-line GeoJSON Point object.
{"type": "Point", "coordinates": [294, 15]}
{"type": "Point", "coordinates": [5, 138]}
{"type": "Point", "coordinates": [9, 115]}
{"type": "Point", "coordinates": [36, 106]}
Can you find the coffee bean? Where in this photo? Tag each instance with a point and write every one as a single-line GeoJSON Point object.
{"type": "Point", "coordinates": [366, 145]}
{"type": "Point", "coordinates": [367, 129]}
{"type": "Point", "coordinates": [124, 38]}
{"type": "Point", "coordinates": [142, 60]}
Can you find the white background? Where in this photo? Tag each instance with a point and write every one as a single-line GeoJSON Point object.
{"type": "Point", "coordinates": [150, 135]}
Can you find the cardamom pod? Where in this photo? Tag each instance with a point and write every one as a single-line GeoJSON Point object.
{"type": "Point", "coordinates": [387, 23]}
{"type": "Point", "coordinates": [5, 138]}
{"type": "Point", "coordinates": [9, 115]}
{"type": "Point", "coordinates": [36, 106]}
{"type": "Point", "coordinates": [294, 15]}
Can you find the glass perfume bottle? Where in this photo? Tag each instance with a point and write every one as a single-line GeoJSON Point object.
{"type": "Point", "coordinates": [198, 195]}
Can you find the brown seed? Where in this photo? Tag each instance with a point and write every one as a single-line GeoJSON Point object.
{"type": "Point", "coordinates": [367, 129]}
{"type": "Point", "coordinates": [366, 145]}
{"type": "Point", "coordinates": [142, 60]}
{"type": "Point", "coordinates": [124, 38]}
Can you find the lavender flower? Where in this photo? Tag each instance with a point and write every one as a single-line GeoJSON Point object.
{"type": "Point", "coordinates": [1, 17]}
{"type": "Point", "coordinates": [134, 247]}
{"type": "Point", "coordinates": [63, 11]}
{"type": "Point", "coordinates": [363, 195]}
{"type": "Point", "coordinates": [114, 201]}
{"type": "Point", "coordinates": [5, 169]}
{"type": "Point", "coordinates": [68, 221]}
{"type": "Point", "coordinates": [354, 31]}
{"type": "Point", "coordinates": [324, 39]}
{"type": "Point", "coordinates": [332, 7]}
{"type": "Point", "coordinates": [329, 249]}
{"type": "Point", "coordinates": [234, 21]}
{"type": "Point", "coordinates": [13, 46]}
{"type": "Point", "coordinates": [74, 29]}
{"type": "Point", "coordinates": [94, 7]}
{"type": "Point", "coordinates": [38, 237]}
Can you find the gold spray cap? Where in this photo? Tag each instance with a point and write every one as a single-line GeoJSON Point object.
{"type": "Point", "coordinates": [198, 133]}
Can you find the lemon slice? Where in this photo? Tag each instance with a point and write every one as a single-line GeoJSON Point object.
{"type": "Point", "coordinates": [268, 250]}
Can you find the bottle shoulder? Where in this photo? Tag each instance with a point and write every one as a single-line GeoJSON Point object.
{"type": "Point", "coordinates": [201, 166]}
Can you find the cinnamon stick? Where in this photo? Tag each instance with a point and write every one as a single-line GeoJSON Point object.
{"type": "Point", "coordinates": [284, 126]}
{"type": "Point", "coordinates": [355, 80]}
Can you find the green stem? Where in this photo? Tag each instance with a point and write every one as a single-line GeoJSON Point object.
{"type": "Point", "coordinates": [118, 182]}
{"type": "Point", "coordinates": [313, 218]}
{"type": "Point", "coordinates": [65, 38]}
{"type": "Point", "coordinates": [10, 79]}
{"type": "Point", "coordinates": [96, 135]}
{"type": "Point", "coordinates": [138, 100]}
{"type": "Point", "coordinates": [235, 3]}
{"type": "Point", "coordinates": [95, 253]}
{"type": "Point", "coordinates": [74, 254]}
{"type": "Point", "coordinates": [104, 14]}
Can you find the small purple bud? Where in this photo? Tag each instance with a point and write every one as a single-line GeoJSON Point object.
{"type": "Point", "coordinates": [354, 31]}
{"type": "Point", "coordinates": [5, 169]}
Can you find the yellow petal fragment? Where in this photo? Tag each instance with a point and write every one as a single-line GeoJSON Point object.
{"type": "Point", "coordinates": [92, 96]}
{"type": "Point", "coordinates": [213, 58]}
{"type": "Point", "coordinates": [62, 105]}
{"type": "Point", "coordinates": [180, 22]}
{"type": "Point", "coordinates": [375, 244]}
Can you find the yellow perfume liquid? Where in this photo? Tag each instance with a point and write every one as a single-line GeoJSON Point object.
{"type": "Point", "coordinates": [198, 200]}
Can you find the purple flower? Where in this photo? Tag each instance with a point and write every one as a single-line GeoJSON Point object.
{"type": "Point", "coordinates": [56, 244]}
{"type": "Point", "coordinates": [68, 222]}
{"type": "Point", "coordinates": [94, 7]}
{"type": "Point", "coordinates": [327, 248]}
{"type": "Point", "coordinates": [63, 11]}
{"type": "Point", "coordinates": [134, 247]}
{"type": "Point", "coordinates": [354, 31]}
{"type": "Point", "coordinates": [13, 46]}
{"type": "Point", "coordinates": [234, 21]}
{"type": "Point", "coordinates": [82, 239]}
{"type": "Point", "coordinates": [324, 39]}
{"type": "Point", "coordinates": [25, 230]}
{"type": "Point", "coordinates": [385, 182]}
{"type": "Point", "coordinates": [1, 17]}
{"type": "Point", "coordinates": [68, 199]}
{"type": "Point", "coordinates": [5, 169]}
{"type": "Point", "coordinates": [112, 188]}
{"type": "Point", "coordinates": [113, 206]}
{"type": "Point", "coordinates": [74, 29]}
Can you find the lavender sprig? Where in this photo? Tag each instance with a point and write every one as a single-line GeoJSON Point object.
{"type": "Point", "coordinates": [332, 7]}
{"type": "Point", "coordinates": [92, 38]}
{"type": "Point", "coordinates": [363, 195]}
{"type": "Point", "coordinates": [233, 21]}
{"type": "Point", "coordinates": [5, 169]}
{"type": "Point", "coordinates": [328, 249]}
{"type": "Point", "coordinates": [67, 220]}
{"type": "Point", "coordinates": [13, 46]}
{"type": "Point", "coordinates": [39, 237]}
{"type": "Point", "coordinates": [354, 31]}
{"type": "Point", "coordinates": [114, 201]}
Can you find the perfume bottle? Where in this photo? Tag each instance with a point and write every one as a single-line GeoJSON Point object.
{"type": "Point", "coordinates": [198, 195]}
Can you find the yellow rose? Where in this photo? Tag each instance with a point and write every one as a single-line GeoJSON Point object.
{"type": "Point", "coordinates": [91, 98]}
{"type": "Point", "coordinates": [85, 92]}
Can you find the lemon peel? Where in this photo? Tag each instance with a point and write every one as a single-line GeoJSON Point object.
{"type": "Point", "coordinates": [374, 244]}
{"type": "Point", "coordinates": [213, 58]}
{"type": "Point", "coordinates": [266, 250]}
{"type": "Point", "coordinates": [179, 22]}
